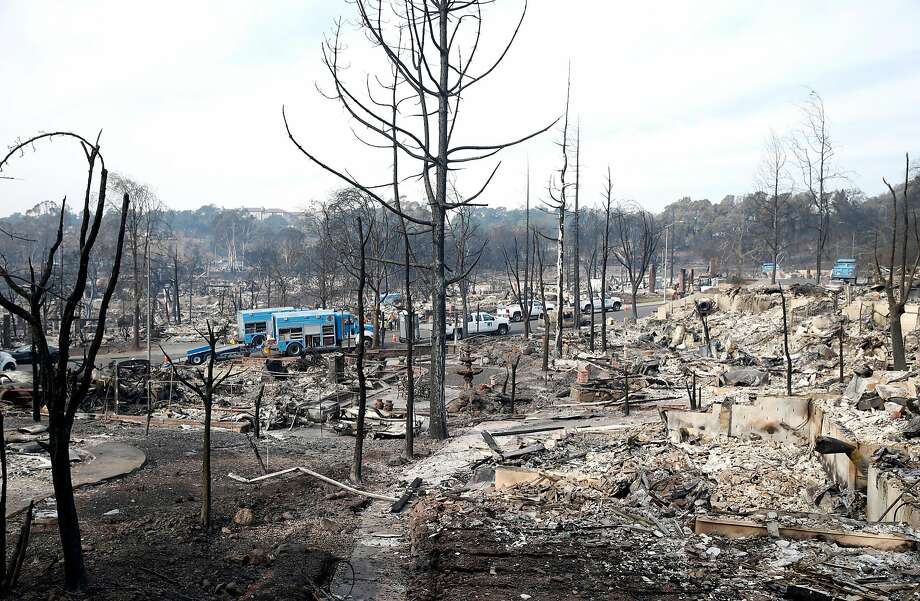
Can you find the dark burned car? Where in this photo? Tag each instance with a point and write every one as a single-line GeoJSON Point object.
{"type": "Point", "coordinates": [23, 354]}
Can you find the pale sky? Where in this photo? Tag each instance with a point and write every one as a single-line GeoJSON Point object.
{"type": "Point", "coordinates": [677, 97]}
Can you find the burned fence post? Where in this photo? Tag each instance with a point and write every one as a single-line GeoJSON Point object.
{"type": "Point", "coordinates": [626, 395]}
{"type": "Point", "coordinates": [257, 421]}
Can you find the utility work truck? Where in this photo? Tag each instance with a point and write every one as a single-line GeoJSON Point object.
{"type": "Point", "coordinates": [294, 333]}
{"type": "Point", "coordinates": [844, 270]}
{"type": "Point", "coordinates": [253, 326]}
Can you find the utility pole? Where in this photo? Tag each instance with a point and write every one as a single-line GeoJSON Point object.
{"type": "Point", "coordinates": [666, 275]}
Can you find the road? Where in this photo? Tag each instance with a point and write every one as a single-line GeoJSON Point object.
{"type": "Point", "coordinates": [644, 310]}
{"type": "Point", "coordinates": [177, 350]}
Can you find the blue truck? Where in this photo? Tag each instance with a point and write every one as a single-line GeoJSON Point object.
{"type": "Point", "coordinates": [254, 326]}
{"type": "Point", "coordinates": [844, 270]}
{"type": "Point", "coordinates": [316, 330]}
{"type": "Point", "coordinates": [199, 355]}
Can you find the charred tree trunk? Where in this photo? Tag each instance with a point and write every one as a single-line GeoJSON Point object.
{"type": "Point", "coordinates": [576, 235]}
{"type": "Point", "coordinates": [782, 298]}
{"type": "Point", "coordinates": [356, 466]}
{"type": "Point", "coordinates": [208, 400]}
{"type": "Point", "coordinates": [410, 348]}
{"type": "Point", "coordinates": [68, 524]}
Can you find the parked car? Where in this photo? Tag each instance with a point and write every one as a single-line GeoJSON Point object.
{"type": "Point", "coordinates": [23, 354]}
{"type": "Point", "coordinates": [515, 313]}
{"type": "Point", "coordinates": [480, 323]}
{"type": "Point", "coordinates": [7, 362]}
{"type": "Point", "coordinates": [611, 303]}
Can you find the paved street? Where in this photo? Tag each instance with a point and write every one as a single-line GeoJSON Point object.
{"type": "Point", "coordinates": [177, 350]}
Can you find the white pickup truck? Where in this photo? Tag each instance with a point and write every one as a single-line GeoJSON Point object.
{"type": "Point", "coordinates": [514, 312]}
{"type": "Point", "coordinates": [611, 303]}
{"type": "Point", "coordinates": [478, 323]}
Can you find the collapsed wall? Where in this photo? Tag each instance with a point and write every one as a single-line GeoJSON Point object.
{"type": "Point", "coordinates": [872, 455]}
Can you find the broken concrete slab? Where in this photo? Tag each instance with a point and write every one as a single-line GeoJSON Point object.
{"type": "Point", "coordinates": [103, 462]}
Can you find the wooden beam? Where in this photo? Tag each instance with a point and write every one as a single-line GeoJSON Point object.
{"type": "Point", "coordinates": [747, 529]}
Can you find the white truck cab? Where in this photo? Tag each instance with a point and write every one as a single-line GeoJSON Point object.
{"type": "Point", "coordinates": [480, 322]}
{"type": "Point", "coordinates": [515, 314]}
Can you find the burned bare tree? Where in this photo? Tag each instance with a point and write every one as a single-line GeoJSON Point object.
{"type": "Point", "coordinates": [462, 230]}
{"type": "Point", "coordinates": [814, 153]}
{"type": "Point", "coordinates": [381, 245]}
{"type": "Point", "coordinates": [558, 204]}
{"type": "Point", "coordinates": [518, 269]}
{"type": "Point", "coordinates": [539, 259]}
{"type": "Point", "coordinates": [590, 267]}
{"type": "Point", "coordinates": [142, 219]}
{"type": "Point", "coordinates": [516, 273]}
{"type": "Point", "coordinates": [605, 257]}
{"type": "Point", "coordinates": [404, 230]}
{"type": "Point", "coordinates": [434, 46]}
{"type": "Point", "coordinates": [361, 277]}
{"type": "Point", "coordinates": [900, 265]}
{"type": "Point", "coordinates": [634, 245]}
{"type": "Point", "coordinates": [203, 381]}
{"type": "Point", "coordinates": [576, 233]}
{"type": "Point", "coordinates": [353, 216]}
{"type": "Point", "coordinates": [64, 386]}
{"type": "Point", "coordinates": [527, 294]}
{"type": "Point", "coordinates": [773, 181]}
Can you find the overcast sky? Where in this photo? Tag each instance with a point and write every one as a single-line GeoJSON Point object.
{"type": "Point", "coordinates": [677, 97]}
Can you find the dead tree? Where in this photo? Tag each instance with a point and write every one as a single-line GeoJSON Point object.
{"type": "Point", "coordinates": [576, 235]}
{"type": "Point", "coordinates": [590, 265]}
{"type": "Point", "coordinates": [558, 204]}
{"type": "Point", "coordinates": [773, 179]}
{"type": "Point", "coordinates": [361, 276]}
{"type": "Point", "coordinates": [527, 295]}
{"type": "Point", "coordinates": [517, 276]}
{"type": "Point", "coordinates": [538, 257]}
{"type": "Point", "coordinates": [203, 382]}
{"type": "Point", "coordinates": [778, 289]}
{"type": "Point", "coordinates": [634, 246]}
{"type": "Point", "coordinates": [782, 298]}
{"type": "Point", "coordinates": [436, 68]}
{"type": "Point", "coordinates": [142, 218]}
{"type": "Point", "coordinates": [814, 153]}
{"type": "Point", "coordinates": [353, 217]}
{"type": "Point", "coordinates": [462, 230]}
{"type": "Point", "coordinates": [605, 257]}
{"type": "Point", "coordinates": [897, 293]}
{"type": "Point", "coordinates": [381, 246]}
{"type": "Point", "coordinates": [65, 387]}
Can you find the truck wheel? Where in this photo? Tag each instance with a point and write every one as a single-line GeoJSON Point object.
{"type": "Point", "coordinates": [458, 334]}
{"type": "Point", "coordinates": [197, 359]}
{"type": "Point", "coordinates": [9, 367]}
{"type": "Point", "coordinates": [294, 349]}
{"type": "Point", "coordinates": [516, 317]}
{"type": "Point", "coordinates": [257, 341]}
{"type": "Point", "coordinates": [368, 342]}
{"type": "Point", "coordinates": [617, 306]}
{"type": "Point", "coordinates": [502, 329]}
